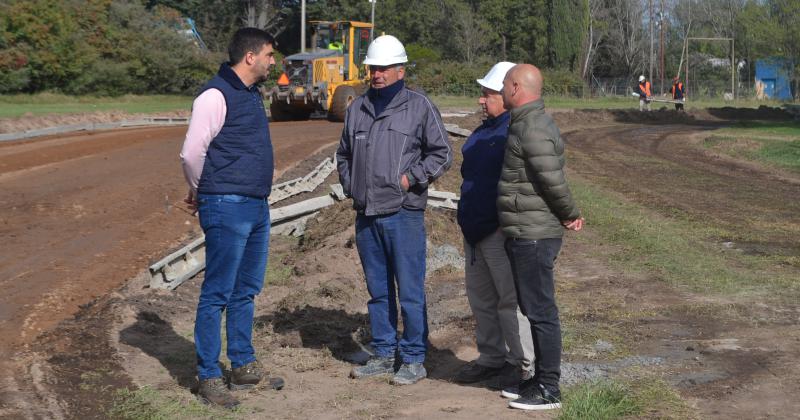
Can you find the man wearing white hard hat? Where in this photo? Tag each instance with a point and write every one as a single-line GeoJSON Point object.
{"type": "Point", "coordinates": [502, 333]}
{"type": "Point", "coordinates": [393, 146]}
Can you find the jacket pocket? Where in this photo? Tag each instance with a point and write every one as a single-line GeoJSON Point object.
{"type": "Point", "coordinates": [358, 168]}
{"type": "Point", "coordinates": [404, 144]}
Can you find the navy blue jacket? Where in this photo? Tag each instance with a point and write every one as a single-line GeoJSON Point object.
{"type": "Point", "coordinates": [239, 159]}
{"type": "Point", "coordinates": [483, 160]}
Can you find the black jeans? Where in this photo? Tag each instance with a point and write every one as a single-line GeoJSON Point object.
{"type": "Point", "coordinates": [532, 264]}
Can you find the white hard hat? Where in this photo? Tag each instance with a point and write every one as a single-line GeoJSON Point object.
{"type": "Point", "coordinates": [494, 79]}
{"type": "Point", "coordinates": [641, 78]}
{"type": "Point", "coordinates": [385, 50]}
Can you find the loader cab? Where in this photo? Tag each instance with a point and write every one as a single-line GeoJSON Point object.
{"type": "Point", "coordinates": [350, 38]}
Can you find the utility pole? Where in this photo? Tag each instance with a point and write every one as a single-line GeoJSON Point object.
{"type": "Point", "coordinates": [661, 45]}
{"type": "Point", "coordinates": [650, 57]}
{"type": "Point", "coordinates": [372, 29]}
{"type": "Point", "coordinates": [303, 26]}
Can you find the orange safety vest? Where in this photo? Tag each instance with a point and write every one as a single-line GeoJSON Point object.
{"type": "Point", "coordinates": [645, 87]}
{"type": "Point", "coordinates": [677, 87]}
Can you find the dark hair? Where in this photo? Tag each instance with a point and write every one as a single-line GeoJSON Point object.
{"type": "Point", "coordinates": [246, 40]}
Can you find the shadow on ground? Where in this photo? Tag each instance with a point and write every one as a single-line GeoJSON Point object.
{"type": "Point", "coordinates": [347, 337]}
{"type": "Point", "coordinates": [156, 337]}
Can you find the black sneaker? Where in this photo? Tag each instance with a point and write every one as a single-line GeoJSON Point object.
{"type": "Point", "coordinates": [409, 373]}
{"type": "Point", "coordinates": [250, 375]}
{"type": "Point", "coordinates": [473, 372]}
{"type": "Point", "coordinates": [541, 398]}
{"type": "Point", "coordinates": [514, 392]}
{"type": "Point", "coordinates": [213, 391]}
{"type": "Point", "coordinates": [508, 376]}
{"type": "Point", "coordinates": [375, 366]}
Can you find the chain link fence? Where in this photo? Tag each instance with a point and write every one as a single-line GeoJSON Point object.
{"type": "Point", "coordinates": [616, 87]}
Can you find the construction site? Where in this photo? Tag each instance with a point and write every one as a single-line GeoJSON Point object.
{"type": "Point", "coordinates": [85, 315]}
{"type": "Point", "coordinates": [679, 298]}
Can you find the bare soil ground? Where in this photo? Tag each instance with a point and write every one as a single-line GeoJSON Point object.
{"type": "Point", "coordinates": [80, 214]}
{"type": "Point", "coordinates": [80, 323]}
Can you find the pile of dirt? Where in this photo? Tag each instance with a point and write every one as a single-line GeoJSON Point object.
{"type": "Point", "coordinates": [763, 112]}
{"type": "Point", "coordinates": [32, 122]}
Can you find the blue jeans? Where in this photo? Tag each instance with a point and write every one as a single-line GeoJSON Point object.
{"type": "Point", "coordinates": [237, 241]}
{"type": "Point", "coordinates": [532, 264]}
{"type": "Point", "coordinates": [392, 249]}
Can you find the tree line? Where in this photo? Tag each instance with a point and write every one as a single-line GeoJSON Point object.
{"type": "Point", "coordinates": [115, 47]}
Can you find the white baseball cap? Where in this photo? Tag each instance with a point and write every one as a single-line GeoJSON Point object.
{"type": "Point", "coordinates": [494, 79]}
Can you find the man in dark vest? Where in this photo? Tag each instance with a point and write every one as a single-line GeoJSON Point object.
{"type": "Point", "coordinates": [228, 164]}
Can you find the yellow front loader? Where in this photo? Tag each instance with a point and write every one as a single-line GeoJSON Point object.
{"type": "Point", "coordinates": [326, 79]}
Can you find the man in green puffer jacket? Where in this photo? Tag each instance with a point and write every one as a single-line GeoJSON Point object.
{"type": "Point", "coordinates": [535, 206]}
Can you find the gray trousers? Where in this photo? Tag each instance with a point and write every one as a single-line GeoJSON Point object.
{"type": "Point", "coordinates": [502, 333]}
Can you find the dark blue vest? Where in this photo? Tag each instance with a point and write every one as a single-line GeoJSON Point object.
{"type": "Point", "coordinates": [239, 159]}
{"type": "Point", "coordinates": [483, 161]}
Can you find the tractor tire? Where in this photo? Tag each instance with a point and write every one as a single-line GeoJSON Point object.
{"type": "Point", "coordinates": [342, 97]}
{"type": "Point", "coordinates": [277, 112]}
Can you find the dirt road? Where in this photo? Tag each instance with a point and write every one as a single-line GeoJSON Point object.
{"type": "Point", "coordinates": [81, 213]}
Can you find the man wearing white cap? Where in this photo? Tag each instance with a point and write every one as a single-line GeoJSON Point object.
{"type": "Point", "coordinates": [502, 333]}
{"type": "Point", "coordinates": [393, 146]}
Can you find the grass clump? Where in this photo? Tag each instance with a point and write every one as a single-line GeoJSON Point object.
{"type": "Point", "coordinates": [604, 400]}
{"type": "Point", "coordinates": [150, 404]}
{"type": "Point", "coordinates": [645, 397]}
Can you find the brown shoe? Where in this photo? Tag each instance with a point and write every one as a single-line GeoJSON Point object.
{"type": "Point", "coordinates": [250, 375]}
{"type": "Point", "coordinates": [214, 391]}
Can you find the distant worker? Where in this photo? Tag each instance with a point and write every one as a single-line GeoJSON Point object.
{"type": "Point", "coordinates": [228, 164]}
{"type": "Point", "coordinates": [677, 93]}
{"type": "Point", "coordinates": [502, 333]}
{"type": "Point", "coordinates": [643, 89]}
{"type": "Point", "coordinates": [535, 206]}
{"type": "Point", "coordinates": [335, 45]}
{"type": "Point", "coordinates": [393, 146]}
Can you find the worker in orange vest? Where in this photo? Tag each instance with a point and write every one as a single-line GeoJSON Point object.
{"type": "Point", "coordinates": [644, 93]}
{"type": "Point", "coordinates": [677, 93]}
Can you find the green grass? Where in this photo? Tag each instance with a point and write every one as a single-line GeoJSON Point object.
{"type": "Point", "coordinates": [676, 251]}
{"type": "Point", "coordinates": [597, 401]}
{"type": "Point", "coordinates": [150, 404]}
{"type": "Point", "coordinates": [647, 397]}
{"type": "Point", "coordinates": [782, 153]}
{"type": "Point", "coordinates": [50, 103]}
{"type": "Point", "coordinates": [773, 143]}
{"type": "Point", "coordinates": [278, 274]}
{"type": "Point", "coordinates": [776, 128]}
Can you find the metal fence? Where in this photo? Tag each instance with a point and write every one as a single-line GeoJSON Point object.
{"type": "Point", "coordinates": [697, 89]}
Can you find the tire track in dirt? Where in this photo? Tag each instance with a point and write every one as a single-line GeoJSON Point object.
{"type": "Point", "coordinates": [81, 213]}
{"type": "Point", "coordinates": [665, 167]}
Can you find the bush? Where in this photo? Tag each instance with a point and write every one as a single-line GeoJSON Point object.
{"type": "Point", "coordinates": [98, 46]}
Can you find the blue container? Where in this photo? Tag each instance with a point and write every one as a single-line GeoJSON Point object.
{"type": "Point", "coordinates": [773, 78]}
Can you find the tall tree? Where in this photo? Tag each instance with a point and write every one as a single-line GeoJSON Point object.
{"type": "Point", "coordinates": [470, 30]}
{"type": "Point", "coordinates": [626, 47]}
{"type": "Point", "coordinates": [567, 24]}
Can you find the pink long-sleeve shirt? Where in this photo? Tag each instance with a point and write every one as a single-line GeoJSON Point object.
{"type": "Point", "coordinates": [208, 116]}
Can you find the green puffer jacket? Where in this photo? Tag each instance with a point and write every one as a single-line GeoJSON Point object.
{"type": "Point", "coordinates": [533, 196]}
